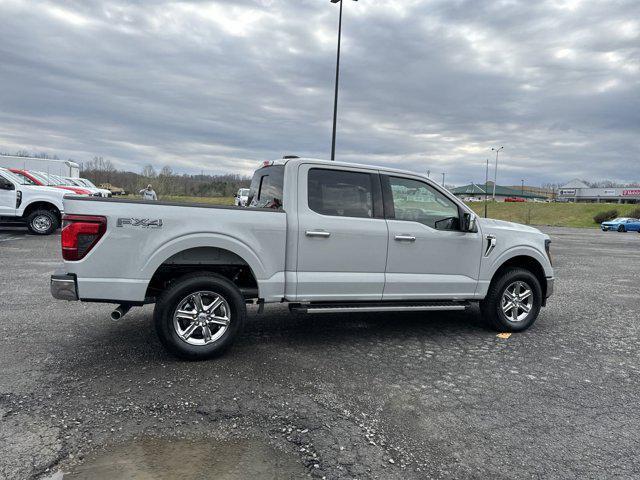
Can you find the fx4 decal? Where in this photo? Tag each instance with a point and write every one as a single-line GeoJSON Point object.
{"type": "Point", "coordinates": [139, 222]}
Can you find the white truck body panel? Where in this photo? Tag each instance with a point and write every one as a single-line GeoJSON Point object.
{"type": "Point", "coordinates": [300, 255]}
{"type": "Point", "coordinates": [124, 260]}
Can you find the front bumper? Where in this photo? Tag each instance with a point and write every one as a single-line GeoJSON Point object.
{"type": "Point", "coordinates": [64, 286]}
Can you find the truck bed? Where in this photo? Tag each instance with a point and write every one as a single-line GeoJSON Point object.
{"type": "Point", "coordinates": [142, 236]}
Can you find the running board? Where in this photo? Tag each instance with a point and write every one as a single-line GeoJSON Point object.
{"type": "Point", "coordinates": [378, 307]}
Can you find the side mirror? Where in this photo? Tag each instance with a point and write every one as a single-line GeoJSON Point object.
{"type": "Point", "coordinates": [469, 222]}
{"type": "Point", "coordinates": [4, 185]}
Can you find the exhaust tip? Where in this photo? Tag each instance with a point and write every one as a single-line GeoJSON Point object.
{"type": "Point", "coordinates": [120, 312]}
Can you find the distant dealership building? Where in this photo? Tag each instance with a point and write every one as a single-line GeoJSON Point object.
{"type": "Point", "coordinates": [578, 191]}
{"type": "Point", "coordinates": [476, 191]}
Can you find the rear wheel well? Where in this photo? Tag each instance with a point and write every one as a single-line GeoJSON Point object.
{"type": "Point", "coordinates": [527, 263]}
{"type": "Point", "coordinates": [32, 207]}
{"type": "Point", "coordinates": [204, 260]}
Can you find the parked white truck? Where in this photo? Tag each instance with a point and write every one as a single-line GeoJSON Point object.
{"type": "Point", "coordinates": [322, 236]}
{"type": "Point", "coordinates": [39, 207]}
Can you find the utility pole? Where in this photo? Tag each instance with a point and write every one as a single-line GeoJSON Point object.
{"type": "Point", "coordinates": [335, 99]}
{"type": "Point", "coordinates": [486, 186]}
{"type": "Point", "coordinates": [522, 191]}
{"type": "Point", "coordinates": [443, 174]}
{"type": "Point", "coordinates": [495, 175]}
{"type": "Point", "coordinates": [428, 173]}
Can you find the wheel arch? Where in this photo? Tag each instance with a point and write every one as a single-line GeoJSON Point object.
{"type": "Point", "coordinates": [238, 265]}
{"type": "Point", "coordinates": [524, 261]}
{"type": "Point", "coordinates": [42, 205]}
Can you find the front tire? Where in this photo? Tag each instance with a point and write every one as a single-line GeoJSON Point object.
{"type": "Point", "coordinates": [513, 301]}
{"type": "Point", "coordinates": [622, 229]}
{"type": "Point", "coordinates": [199, 316]}
{"type": "Point", "coordinates": [42, 222]}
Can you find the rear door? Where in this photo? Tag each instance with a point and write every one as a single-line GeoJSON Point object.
{"type": "Point", "coordinates": [429, 256]}
{"type": "Point", "coordinates": [342, 234]}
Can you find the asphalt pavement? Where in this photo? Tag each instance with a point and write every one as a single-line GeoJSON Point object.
{"type": "Point", "coordinates": [419, 395]}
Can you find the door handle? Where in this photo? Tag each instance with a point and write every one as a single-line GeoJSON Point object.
{"type": "Point", "coordinates": [317, 233]}
{"type": "Point", "coordinates": [405, 238]}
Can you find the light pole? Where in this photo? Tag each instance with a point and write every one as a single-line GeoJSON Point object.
{"type": "Point", "coordinates": [443, 174]}
{"type": "Point", "coordinates": [428, 173]}
{"type": "Point", "coordinates": [522, 190]}
{"type": "Point", "coordinates": [335, 100]}
{"type": "Point", "coordinates": [495, 174]}
{"type": "Point", "coordinates": [486, 185]}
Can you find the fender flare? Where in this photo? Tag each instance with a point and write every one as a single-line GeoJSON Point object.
{"type": "Point", "coordinates": [40, 199]}
{"type": "Point", "coordinates": [196, 240]}
{"type": "Point", "coordinates": [518, 251]}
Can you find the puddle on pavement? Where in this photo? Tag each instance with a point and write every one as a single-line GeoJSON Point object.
{"type": "Point", "coordinates": [169, 459]}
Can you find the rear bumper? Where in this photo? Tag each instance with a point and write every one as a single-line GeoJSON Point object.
{"type": "Point", "coordinates": [64, 286]}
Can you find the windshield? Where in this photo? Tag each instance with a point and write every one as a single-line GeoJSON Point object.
{"type": "Point", "coordinates": [61, 181]}
{"type": "Point", "coordinates": [42, 178]}
{"type": "Point", "coordinates": [85, 182]}
{"type": "Point", "coordinates": [23, 180]}
{"type": "Point", "coordinates": [13, 177]}
{"type": "Point", "coordinates": [621, 219]}
{"type": "Point", "coordinates": [267, 188]}
{"type": "Point", "coordinates": [243, 192]}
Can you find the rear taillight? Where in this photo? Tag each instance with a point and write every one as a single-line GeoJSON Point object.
{"type": "Point", "coordinates": [80, 233]}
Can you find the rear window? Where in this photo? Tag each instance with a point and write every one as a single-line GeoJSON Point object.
{"type": "Point", "coordinates": [267, 187]}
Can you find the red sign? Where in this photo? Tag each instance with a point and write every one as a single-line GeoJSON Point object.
{"type": "Point", "coordinates": [632, 193]}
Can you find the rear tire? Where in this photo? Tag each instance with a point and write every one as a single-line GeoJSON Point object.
{"type": "Point", "coordinates": [495, 309]}
{"type": "Point", "coordinates": [198, 329]}
{"type": "Point", "coordinates": [42, 222]}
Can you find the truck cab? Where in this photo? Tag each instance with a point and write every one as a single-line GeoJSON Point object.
{"type": "Point", "coordinates": [322, 236]}
{"type": "Point", "coordinates": [39, 207]}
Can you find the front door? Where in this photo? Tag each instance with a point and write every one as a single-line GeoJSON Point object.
{"type": "Point", "coordinates": [7, 197]}
{"type": "Point", "coordinates": [429, 257]}
{"type": "Point", "coordinates": [342, 235]}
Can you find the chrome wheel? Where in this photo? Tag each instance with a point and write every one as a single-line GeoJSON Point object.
{"type": "Point", "coordinates": [41, 223]}
{"type": "Point", "coordinates": [202, 318]}
{"type": "Point", "coordinates": [517, 301]}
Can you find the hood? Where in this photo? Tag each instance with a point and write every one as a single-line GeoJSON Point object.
{"type": "Point", "coordinates": [44, 189]}
{"type": "Point", "coordinates": [492, 224]}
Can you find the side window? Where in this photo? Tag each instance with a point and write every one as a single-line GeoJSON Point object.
{"type": "Point", "coordinates": [340, 193]}
{"type": "Point", "coordinates": [419, 202]}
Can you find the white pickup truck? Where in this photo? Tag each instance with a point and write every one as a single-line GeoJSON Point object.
{"type": "Point", "coordinates": [39, 207]}
{"type": "Point", "coordinates": [322, 236]}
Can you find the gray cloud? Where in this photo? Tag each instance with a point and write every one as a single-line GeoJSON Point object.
{"type": "Point", "coordinates": [223, 85]}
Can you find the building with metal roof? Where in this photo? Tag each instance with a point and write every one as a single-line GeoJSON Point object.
{"type": "Point", "coordinates": [477, 191]}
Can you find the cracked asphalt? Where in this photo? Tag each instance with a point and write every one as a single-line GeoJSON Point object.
{"type": "Point", "coordinates": [360, 396]}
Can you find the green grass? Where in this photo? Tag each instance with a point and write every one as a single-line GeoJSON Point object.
{"type": "Point", "coordinates": [554, 214]}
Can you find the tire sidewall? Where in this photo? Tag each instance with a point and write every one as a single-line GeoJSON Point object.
{"type": "Point", "coordinates": [494, 311]}
{"type": "Point", "coordinates": [168, 302]}
{"type": "Point", "coordinates": [40, 213]}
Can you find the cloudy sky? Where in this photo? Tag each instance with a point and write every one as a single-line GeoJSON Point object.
{"type": "Point", "coordinates": [426, 84]}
